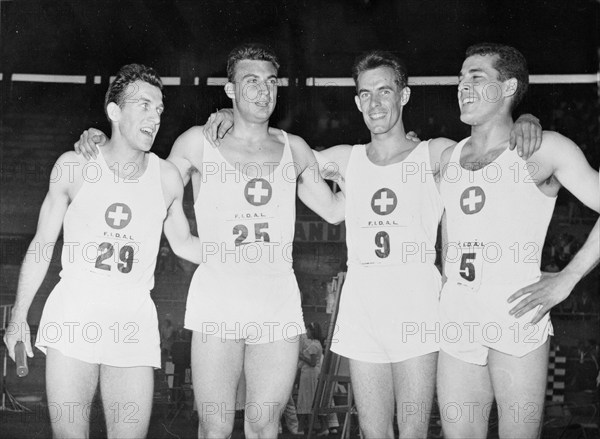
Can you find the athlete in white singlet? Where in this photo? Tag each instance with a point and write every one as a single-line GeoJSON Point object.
{"type": "Point", "coordinates": [388, 318]}
{"type": "Point", "coordinates": [498, 207]}
{"type": "Point", "coordinates": [252, 317]}
{"type": "Point", "coordinates": [485, 263]}
{"type": "Point", "coordinates": [246, 288]}
{"type": "Point", "coordinates": [112, 232]}
{"type": "Point", "coordinates": [391, 247]}
{"type": "Point", "coordinates": [99, 324]}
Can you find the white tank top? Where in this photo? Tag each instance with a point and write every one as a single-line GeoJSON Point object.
{"type": "Point", "coordinates": [393, 211]}
{"type": "Point", "coordinates": [112, 228]}
{"type": "Point", "coordinates": [497, 220]}
{"type": "Point", "coordinates": [246, 224]}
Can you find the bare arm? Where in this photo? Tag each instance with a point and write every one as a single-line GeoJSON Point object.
{"type": "Point", "coordinates": [568, 165]}
{"type": "Point", "coordinates": [333, 163]}
{"type": "Point", "coordinates": [176, 226]}
{"type": "Point", "coordinates": [312, 189]}
{"type": "Point", "coordinates": [187, 152]}
{"type": "Point", "coordinates": [36, 262]}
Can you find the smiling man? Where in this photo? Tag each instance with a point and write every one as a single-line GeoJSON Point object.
{"type": "Point", "coordinates": [99, 323]}
{"type": "Point", "coordinates": [388, 322]}
{"type": "Point", "coordinates": [243, 304]}
{"type": "Point", "coordinates": [498, 207]}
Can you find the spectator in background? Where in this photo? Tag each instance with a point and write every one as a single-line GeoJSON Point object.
{"type": "Point", "coordinates": [310, 359]}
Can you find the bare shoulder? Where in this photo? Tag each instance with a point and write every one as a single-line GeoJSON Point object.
{"type": "Point", "coordinates": [295, 141]}
{"type": "Point", "coordinates": [171, 181]}
{"type": "Point", "coordinates": [343, 150]}
{"type": "Point", "coordinates": [440, 144]}
{"type": "Point", "coordinates": [438, 148]}
{"type": "Point", "coordinates": [69, 167]}
{"type": "Point", "coordinates": [71, 157]}
{"type": "Point", "coordinates": [555, 149]}
{"type": "Point", "coordinates": [447, 148]}
{"type": "Point", "coordinates": [189, 145]}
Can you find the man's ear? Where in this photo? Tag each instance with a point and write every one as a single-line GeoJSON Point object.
{"type": "Point", "coordinates": [510, 87]}
{"type": "Point", "coordinates": [113, 111]}
{"type": "Point", "coordinates": [357, 102]}
{"type": "Point", "coordinates": [230, 90]}
{"type": "Point", "coordinates": [405, 96]}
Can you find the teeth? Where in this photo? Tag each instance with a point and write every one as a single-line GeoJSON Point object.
{"type": "Point", "coordinates": [147, 131]}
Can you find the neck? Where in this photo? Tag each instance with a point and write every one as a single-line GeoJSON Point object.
{"type": "Point", "coordinates": [118, 151]}
{"type": "Point", "coordinates": [248, 130]}
{"type": "Point", "coordinates": [489, 135]}
{"type": "Point", "coordinates": [391, 143]}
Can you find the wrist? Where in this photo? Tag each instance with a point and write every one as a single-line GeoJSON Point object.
{"type": "Point", "coordinates": [18, 314]}
{"type": "Point", "coordinates": [570, 276]}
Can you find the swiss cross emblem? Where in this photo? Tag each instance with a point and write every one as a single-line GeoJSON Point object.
{"type": "Point", "coordinates": [258, 191]}
{"type": "Point", "coordinates": [472, 200]}
{"type": "Point", "coordinates": [384, 201]}
{"type": "Point", "coordinates": [118, 215]}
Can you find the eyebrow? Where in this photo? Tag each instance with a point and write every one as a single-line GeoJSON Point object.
{"type": "Point", "coordinates": [383, 87]}
{"type": "Point", "coordinates": [473, 70]}
{"type": "Point", "coordinates": [252, 75]}
{"type": "Point", "coordinates": [149, 101]}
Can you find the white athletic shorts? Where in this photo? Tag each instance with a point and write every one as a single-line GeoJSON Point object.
{"type": "Point", "coordinates": [100, 326]}
{"type": "Point", "coordinates": [476, 320]}
{"type": "Point", "coordinates": [388, 314]}
{"type": "Point", "coordinates": [253, 309]}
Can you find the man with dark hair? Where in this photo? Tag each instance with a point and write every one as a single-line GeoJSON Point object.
{"type": "Point", "coordinates": [244, 304]}
{"type": "Point", "coordinates": [388, 321]}
{"type": "Point", "coordinates": [99, 324]}
{"type": "Point", "coordinates": [250, 51]}
{"type": "Point", "coordinates": [498, 207]}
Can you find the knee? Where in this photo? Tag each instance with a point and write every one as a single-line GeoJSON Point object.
{"type": "Point", "coordinates": [262, 427]}
{"type": "Point", "coordinates": [377, 431]}
{"type": "Point", "coordinates": [209, 429]}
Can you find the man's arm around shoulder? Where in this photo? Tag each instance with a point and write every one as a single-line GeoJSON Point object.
{"type": "Point", "coordinates": [312, 189]}
{"type": "Point", "coordinates": [333, 162]}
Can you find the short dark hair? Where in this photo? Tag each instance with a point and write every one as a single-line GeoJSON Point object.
{"type": "Point", "coordinates": [510, 64]}
{"type": "Point", "coordinates": [128, 74]}
{"type": "Point", "coordinates": [380, 58]}
{"type": "Point", "coordinates": [252, 52]}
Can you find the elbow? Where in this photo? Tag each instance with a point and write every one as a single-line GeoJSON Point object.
{"type": "Point", "coordinates": [336, 217]}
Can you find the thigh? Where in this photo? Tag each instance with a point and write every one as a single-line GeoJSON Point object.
{"type": "Point", "coordinates": [414, 386]}
{"type": "Point", "coordinates": [70, 386]}
{"type": "Point", "coordinates": [373, 388]}
{"type": "Point", "coordinates": [465, 397]}
{"type": "Point", "coordinates": [520, 389]}
{"type": "Point", "coordinates": [270, 370]}
{"type": "Point", "coordinates": [127, 400]}
{"type": "Point", "coordinates": [216, 368]}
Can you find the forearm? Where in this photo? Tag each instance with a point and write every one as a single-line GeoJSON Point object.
{"type": "Point", "coordinates": [177, 230]}
{"type": "Point", "coordinates": [586, 258]}
{"type": "Point", "coordinates": [32, 274]}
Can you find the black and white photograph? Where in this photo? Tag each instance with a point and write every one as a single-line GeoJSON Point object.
{"type": "Point", "coordinates": [356, 219]}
